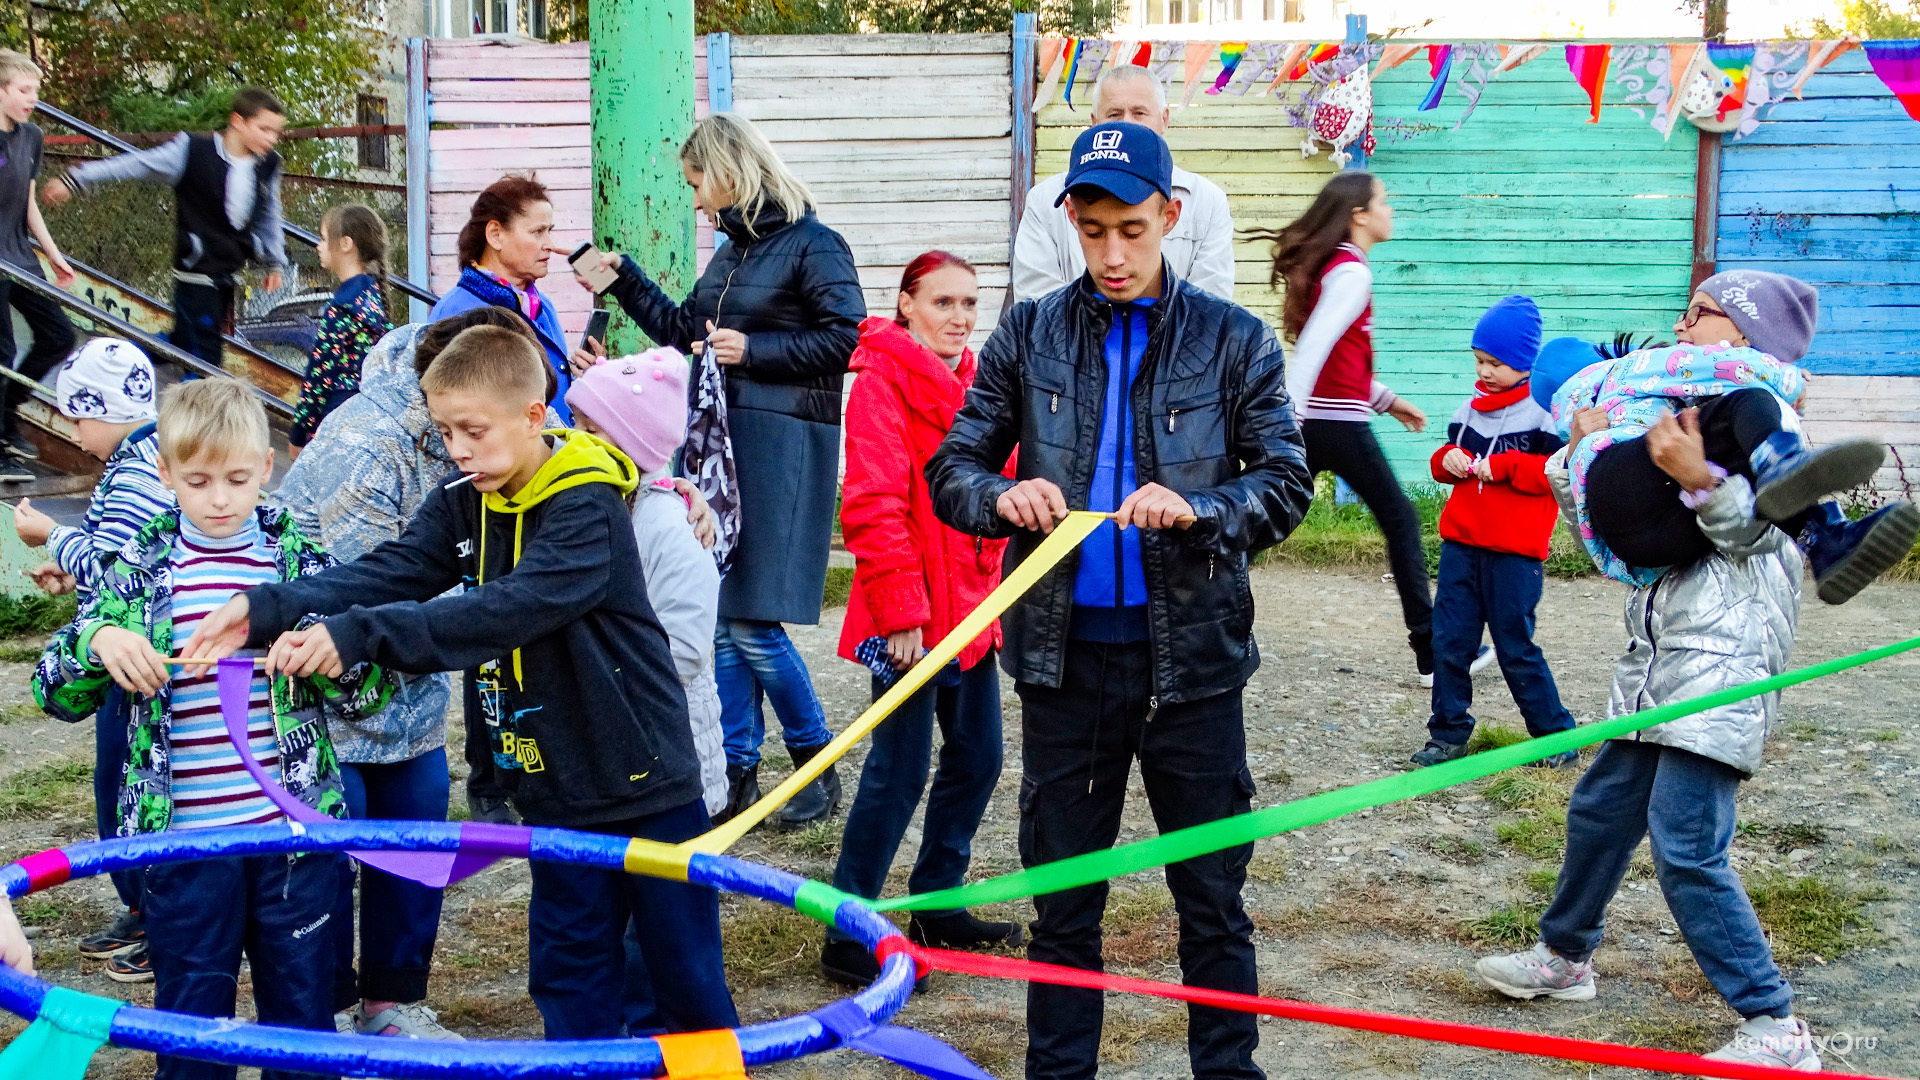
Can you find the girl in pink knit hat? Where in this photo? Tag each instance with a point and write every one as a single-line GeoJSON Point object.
{"type": "Point", "coordinates": [639, 403]}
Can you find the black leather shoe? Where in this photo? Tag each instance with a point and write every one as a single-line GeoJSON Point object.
{"type": "Point", "coordinates": [961, 930]}
{"type": "Point", "coordinates": [849, 964]}
{"type": "Point", "coordinates": [815, 802]}
{"type": "Point", "coordinates": [491, 809]}
{"type": "Point", "coordinates": [743, 790]}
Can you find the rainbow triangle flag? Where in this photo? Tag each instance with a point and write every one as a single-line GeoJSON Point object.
{"type": "Point", "coordinates": [1230, 54]}
{"type": "Point", "coordinates": [1440, 64]}
{"type": "Point", "coordinates": [1898, 65]}
{"type": "Point", "coordinates": [1315, 55]}
{"type": "Point", "coordinates": [1075, 46]}
{"type": "Point", "coordinates": [1737, 62]}
{"type": "Point", "coordinates": [1589, 66]}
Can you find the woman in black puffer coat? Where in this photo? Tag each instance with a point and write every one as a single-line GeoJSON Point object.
{"type": "Point", "coordinates": [780, 308]}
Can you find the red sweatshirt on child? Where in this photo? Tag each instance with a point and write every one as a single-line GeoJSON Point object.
{"type": "Point", "coordinates": [1513, 512]}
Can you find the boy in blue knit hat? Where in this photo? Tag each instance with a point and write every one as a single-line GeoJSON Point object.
{"type": "Point", "coordinates": [1493, 538]}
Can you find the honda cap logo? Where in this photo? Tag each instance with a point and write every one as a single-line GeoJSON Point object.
{"type": "Point", "coordinates": [1105, 146]}
{"type": "Point", "coordinates": [1106, 140]}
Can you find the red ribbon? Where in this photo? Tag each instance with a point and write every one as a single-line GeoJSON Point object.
{"type": "Point", "coordinates": [1518, 1042]}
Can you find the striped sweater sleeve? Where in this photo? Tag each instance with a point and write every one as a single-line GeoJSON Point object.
{"type": "Point", "coordinates": [128, 496]}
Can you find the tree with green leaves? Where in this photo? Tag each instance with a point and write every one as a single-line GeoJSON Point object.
{"type": "Point", "coordinates": [162, 65]}
{"type": "Point", "coordinates": [1871, 19]}
{"type": "Point", "coordinates": [1079, 17]}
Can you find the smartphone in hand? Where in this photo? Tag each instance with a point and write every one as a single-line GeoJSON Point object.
{"type": "Point", "coordinates": [596, 329]}
{"type": "Point", "coordinates": [585, 261]}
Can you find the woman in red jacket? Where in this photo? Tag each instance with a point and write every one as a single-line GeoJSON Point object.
{"type": "Point", "coordinates": [914, 579]}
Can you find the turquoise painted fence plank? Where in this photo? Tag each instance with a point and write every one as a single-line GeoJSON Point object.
{"type": "Point", "coordinates": [1595, 221]}
{"type": "Point", "coordinates": [1825, 191]}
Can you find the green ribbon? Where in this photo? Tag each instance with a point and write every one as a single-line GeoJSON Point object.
{"type": "Point", "coordinates": [1244, 829]}
{"type": "Point", "coordinates": [61, 1042]}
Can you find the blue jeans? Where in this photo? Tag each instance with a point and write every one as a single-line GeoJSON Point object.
{"type": "Point", "coordinates": [109, 772]}
{"type": "Point", "coordinates": [896, 773]}
{"type": "Point", "coordinates": [201, 314]}
{"type": "Point", "coordinates": [754, 658]}
{"type": "Point", "coordinates": [594, 976]}
{"type": "Point", "coordinates": [399, 919]}
{"type": "Point", "coordinates": [1498, 591]}
{"type": "Point", "coordinates": [201, 916]}
{"type": "Point", "coordinates": [1685, 801]}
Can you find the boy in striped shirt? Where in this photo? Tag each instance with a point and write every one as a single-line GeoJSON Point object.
{"type": "Point", "coordinates": [183, 771]}
{"type": "Point", "coordinates": [106, 388]}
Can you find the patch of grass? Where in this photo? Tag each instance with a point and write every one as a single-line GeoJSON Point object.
{"type": "Point", "coordinates": [1493, 737]}
{"type": "Point", "coordinates": [1139, 929]}
{"type": "Point", "coordinates": [1516, 925]}
{"type": "Point", "coordinates": [1806, 731]}
{"type": "Point", "coordinates": [13, 653]}
{"type": "Point", "coordinates": [1541, 882]}
{"type": "Point", "coordinates": [1889, 735]}
{"type": "Point", "coordinates": [493, 1015]}
{"type": "Point", "coordinates": [24, 712]}
{"type": "Point", "coordinates": [1517, 788]}
{"type": "Point", "coordinates": [1269, 868]}
{"type": "Point", "coordinates": [993, 1038]}
{"type": "Point", "coordinates": [820, 840]}
{"type": "Point", "coordinates": [1811, 915]}
{"type": "Point", "coordinates": [764, 944]}
{"type": "Point", "coordinates": [1454, 849]}
{"type": "Point", "coordinates": [489, 938]}
{"type": "Point", "coordinates": [1120, 1037]}
{"type": "Point", "coordinates": [1540, 835]}
{"type": "Point", "coordinates": [55, 789]}
{"type": "Point", "coordinates": [34, 613]}
{"type": "Point", "coordinates": [1785, 838]}
{"type": "Point", "coordinates": [839, 587]}
{"type": "Point", "coordinates": [1688, 1033]}
{"type": "Point", "coordinates": [1333, 536]}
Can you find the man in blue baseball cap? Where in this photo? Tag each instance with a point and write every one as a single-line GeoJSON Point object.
{"type": "Point", "coordinates": [1130, 392]}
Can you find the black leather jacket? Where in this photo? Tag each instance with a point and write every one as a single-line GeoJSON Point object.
{"type": "Point", "coordinates": [792, 289]}
{"type": "Point", "coordinates": [1213, 423]}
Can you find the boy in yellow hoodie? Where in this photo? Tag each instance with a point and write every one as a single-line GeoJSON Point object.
{"type": "Point", "coordinates": [567, 666]}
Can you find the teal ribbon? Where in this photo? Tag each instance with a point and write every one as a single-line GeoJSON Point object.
{"type": "Point", "coordinates": [1246, 828]}
{"type": "Point", "coordinates": [61, 1042]}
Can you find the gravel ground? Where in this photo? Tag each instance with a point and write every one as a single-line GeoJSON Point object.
{"type": "Point", "coordinates": [1384, 910]}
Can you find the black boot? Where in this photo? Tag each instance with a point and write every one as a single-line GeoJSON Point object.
{"type": "Point", "coordinates": [743, 790]}
{"type": "Point", "coordinates": [961, 930]}
{"type": "Point", "coordinates": [815, 802]}
{"type": "Point", "coordinates": [849, 964]}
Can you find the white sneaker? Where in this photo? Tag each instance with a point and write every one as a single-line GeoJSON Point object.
{"type": "Point", "coordinates": [1770, 1041]}
{"type": "Point", "coordinates": [1482, 660]}
{"type": "Point", "coordinates": [407, 1020]}
{"type": "Point", "coordinates": [1426, 680]}
{"type": "Point", "coordinates": [1538, 972]}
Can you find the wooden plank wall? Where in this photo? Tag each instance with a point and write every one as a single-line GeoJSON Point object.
{"type": "Point", "coordinates": [905, 140]}
{"type": "Point", "coordinates": [1592, 220]}
{"type": "Point", "coordinates": [523, 109]}
{"type": "Point", "coordinates": [1823, 190]}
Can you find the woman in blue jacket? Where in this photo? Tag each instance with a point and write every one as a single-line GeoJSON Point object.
{"type": "Point", "coordinates": [503, 251]}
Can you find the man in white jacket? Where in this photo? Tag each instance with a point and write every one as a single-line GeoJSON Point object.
{"type": "Point", "coordinates": [1046, 253]}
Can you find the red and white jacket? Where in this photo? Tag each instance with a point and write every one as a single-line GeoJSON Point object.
{"type": "Point", "coordinates": [1330, 375]}
{"type": "Point", "coordinates": [1514, 512]}
{"type": "Point", "coordinates": [909, 569]}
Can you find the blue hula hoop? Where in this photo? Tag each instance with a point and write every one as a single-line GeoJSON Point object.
{"type": "Point", "coordinates": [235, 1043]}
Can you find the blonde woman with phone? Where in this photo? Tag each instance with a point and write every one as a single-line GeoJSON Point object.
{"type": "Point", "coordinates": [778, 309]}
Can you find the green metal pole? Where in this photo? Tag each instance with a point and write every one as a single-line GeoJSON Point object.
{"type": "Point", "coordinates": [642, 92]}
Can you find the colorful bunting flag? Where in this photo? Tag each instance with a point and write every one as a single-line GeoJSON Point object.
{"type": "Point", "coordinates": [1440, 64]}
{"type": "Point", "coordinates": [1589, 66]}
{"type": "Point", "coordinates": [1480, 60]}
{"type": "Point", "coordinates": [1053, 57]}
{"type": "Point", "coordinates": [1393, 56]}
{"type": "Point", "coordinates": [1898, 65]}
{"type": "Point", "coordinates": [1319, 54]}
{"type": "Point", "coordinates": [1684, 60]}
{"type": "Point", "coordinates": [1736, 62]}
{"type": "Point", "coordinates": [1075, 47]}
{"type": "Point", "coordinates": [1198, 53]}
{"type": "Point", "coordinates": [1287, 63]}
{"type": "Point", "coordinates": [1230, 54]}
{"type": "Point", "coordinates": [1822, 54]}
{"type": "Point", "coordinates": [1143, 55]}
{"type": "Point", "coordinates": [1513, 56]}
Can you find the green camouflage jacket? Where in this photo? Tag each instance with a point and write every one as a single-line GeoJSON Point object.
{"type": "Point", "coordinates": [136, 593]}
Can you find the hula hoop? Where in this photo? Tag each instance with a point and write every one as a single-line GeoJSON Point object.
{"type": "Point", "coordinates": [232, 1042]}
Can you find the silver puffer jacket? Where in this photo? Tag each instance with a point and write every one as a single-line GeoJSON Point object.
{"type": "Point", "coordinates": [1724, 620]}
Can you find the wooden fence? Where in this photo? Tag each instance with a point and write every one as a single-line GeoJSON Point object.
{"type": "Point", "coordinates": [1594, 221]}
{"type": "Point", "coordinates": [1824, 191]}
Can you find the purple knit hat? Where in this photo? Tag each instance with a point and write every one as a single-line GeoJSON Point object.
{"type": "Point", "coordinates": [640, 401]}
{"type": "Point", "coordinates": [1775, 313]}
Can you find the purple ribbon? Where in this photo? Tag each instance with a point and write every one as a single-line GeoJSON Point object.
{"type": "Point", "coordinates": [904, 1047]}
{"type": "Point", "coordinates": [481, 844]}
